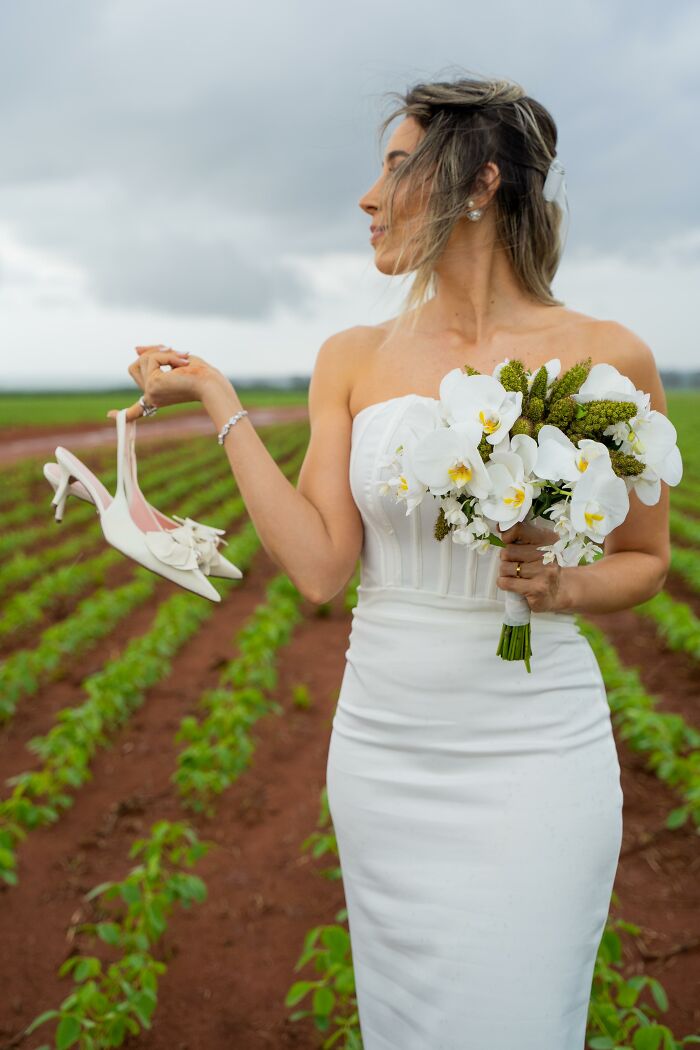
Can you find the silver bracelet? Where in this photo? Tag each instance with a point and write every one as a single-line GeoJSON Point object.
{"type": "Point", "coordinates": [227, 426]}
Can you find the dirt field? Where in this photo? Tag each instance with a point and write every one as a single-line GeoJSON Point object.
{"type": "Point", "coordinates": [230, 960]}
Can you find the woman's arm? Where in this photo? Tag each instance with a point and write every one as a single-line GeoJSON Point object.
{"type": "Point", "coordinates": [314, 531]}
{"type": "Point", "coordinates": [637, 553]}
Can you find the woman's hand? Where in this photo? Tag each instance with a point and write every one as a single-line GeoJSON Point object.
{"type": "Point", "coordinates": [541, 585]}
{"type": "Point", "coordinates": [187, 380]}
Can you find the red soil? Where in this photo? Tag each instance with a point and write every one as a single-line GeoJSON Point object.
{"type": "Point", "coordinates": [18, 442]}
{"type": "Point", "coordinates": [231, 959]}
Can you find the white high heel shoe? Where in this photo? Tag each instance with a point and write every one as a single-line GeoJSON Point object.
{"type": "Point", "coordinates": [215, 564]}
{"type": "Point", "coordinates": [126, 520]}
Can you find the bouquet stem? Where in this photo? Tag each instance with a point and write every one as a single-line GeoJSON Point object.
{"type": "Point", "coordinates": [514, 644]}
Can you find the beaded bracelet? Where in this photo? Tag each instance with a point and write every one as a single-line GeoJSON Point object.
{"type": "Point", "coordinates": [227, 426]}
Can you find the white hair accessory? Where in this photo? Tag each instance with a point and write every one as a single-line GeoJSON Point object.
{"type": "Point", "coordinates": [554, 189]}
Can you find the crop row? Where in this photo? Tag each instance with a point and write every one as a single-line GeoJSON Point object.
{"type": "Point", "coordinates": [617, 1017]}
{"type": "Point", "coordinates": [10, 542]}
{"type": "Point", "coordinates": [675, 622]}
{"type": "Point", "coordinates": [160, 469]}
{"type": "Point", "coordinates": [156, 468]}
{"type": "Point", "coordinates": [21, 673]}
{"type": "Point", "coordinates": [29, 606]}
{"type": "Point", "coordinates": [107, 1004]}
{"type": "Point", "coordinates": [114, 692]}
{"type": "Point", "coordinates": [671, 745]}
{"type": "Point", "coordinates": [219, 745]}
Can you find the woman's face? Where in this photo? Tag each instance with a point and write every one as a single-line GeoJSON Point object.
{"type": "Point", "coordinates": [407, 214]}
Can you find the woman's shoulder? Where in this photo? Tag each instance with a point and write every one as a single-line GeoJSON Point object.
{"type": "Point", "coordinates": [614, 343]}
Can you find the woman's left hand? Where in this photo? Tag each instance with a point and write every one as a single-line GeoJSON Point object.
{"type": "Point", "coordinates": [539, 584]}
{"type": "Point", "coordinates": [188, 378]}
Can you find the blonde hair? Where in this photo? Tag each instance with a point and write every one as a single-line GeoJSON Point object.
{"type": "Point", "coordinates": [469, 122]}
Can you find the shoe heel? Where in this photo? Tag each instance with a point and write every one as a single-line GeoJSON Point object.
{"type": "Point", "coordinates": [61, 494]}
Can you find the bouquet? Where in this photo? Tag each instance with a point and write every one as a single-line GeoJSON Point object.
{"type": "Point", "coordinates": [514, 445]}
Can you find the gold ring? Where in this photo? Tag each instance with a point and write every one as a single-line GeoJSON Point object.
{"type": "Point", "coordinates": [518, 565]}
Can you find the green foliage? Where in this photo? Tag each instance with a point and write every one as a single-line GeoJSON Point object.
{"type": "Point", "coordinates": [675, 622]}
{"type": "Point", "coordinates": [220, 746]}
{"type": "Point", "coordinates": [40, 796]}
{"type": "Point", "coordinates": [327, 948]}
{"type": "Point", "coordinates": [617, 1017]}
{"type": "Point", "coordinates": [671, 745]}
{"type": "Point", "coordinates": [301, 696]}
{"type": "Point", "coordinates": [111, 1002]}
{"type": "Point", "coordinates": [20, 408]}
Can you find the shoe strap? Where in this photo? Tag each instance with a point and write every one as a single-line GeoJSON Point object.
{"type": "Point", "coordinates": [122, 464]}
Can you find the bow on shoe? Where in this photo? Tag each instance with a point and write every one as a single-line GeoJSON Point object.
{"type": "Point", "coordinates": [191, 546]}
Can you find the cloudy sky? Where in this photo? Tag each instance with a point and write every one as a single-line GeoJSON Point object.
{"type": "Point", "coordinates": [190, 174]}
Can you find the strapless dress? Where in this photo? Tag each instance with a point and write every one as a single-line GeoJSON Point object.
{"type": "Point", "coordinates": [477, 808]}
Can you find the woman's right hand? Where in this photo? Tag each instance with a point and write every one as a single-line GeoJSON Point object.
{"type": "Point", "coordinates": [188, 379]}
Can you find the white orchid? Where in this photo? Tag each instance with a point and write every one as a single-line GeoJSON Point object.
{"type": "Point", "coordinates": [480, 403]}
{"type": "Point", "coordinates": [651, 438]}
{"type": "Point", "coordinates": [419, 419]}
{"type": "Point", "coordinates": [446, 460]}
{"type": "Point", "coordinates": [454, 511]}
{"type": "Point", "coordinates": [474, 535]}
{"type": "Point", "coordinates": [404, 485]}
{"type": "Point", "coordinates": [605, 383]}
{"type": "Point", "coordinates": [558, 458]}
{"type": "Point", "coordinates": [513, 487]}
{"type": "Point", "coordinates": [599, 501]}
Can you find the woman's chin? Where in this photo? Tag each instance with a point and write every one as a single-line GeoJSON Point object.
{"type": "Point", "coordinates": [385, 262]}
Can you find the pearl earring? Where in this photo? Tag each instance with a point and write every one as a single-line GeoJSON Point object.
{"type": "Point", "coordinates": [475, 213]}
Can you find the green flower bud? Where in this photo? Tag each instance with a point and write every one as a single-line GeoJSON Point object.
{"type": "Point", "coordinates": [571, 381]}
{"type": "Point", "coordinates": [539, 383]}
{"type": "Point", "coordinates": [485, 449]}
{"type": "Point", "coordinates": [513, 377]}
{"type": "Point", "coordinates": [561, 413]}
{"type": "Point", "coordinates": [535, 408]}
{"type": "Point", "coordinates": [602, 414]}
{"type": "Point", "coordinates": [522, 425]}
{"type": "Point", "coordinates": [442, 527]}
{"type": "Point", "coordinates": [624, 464]}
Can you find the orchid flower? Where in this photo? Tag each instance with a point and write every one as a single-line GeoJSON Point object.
{"type": "Point", "coordinates": [599, 501]}
{"type": "Point", "coordinates": [651, 438]}
{"type": "Point", "coordinates": [480, 403]}
{"type": "Point", "coordinates": [513, 487]}
{"type": "Point", "coordinates": [605, 383]}
{"type": "Point", "coordinates": [558, 459]}
{"type": "Point", "coordinates": [446, 460]}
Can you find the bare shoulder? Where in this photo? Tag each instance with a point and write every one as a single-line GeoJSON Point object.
{"type": "Point", "coordinates": [618, 345]}
{"type": "Point", "coordinates": [340, 358]}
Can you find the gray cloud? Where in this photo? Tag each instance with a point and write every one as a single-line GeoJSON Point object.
{"type": "Point", "coordinates": [179, 154]}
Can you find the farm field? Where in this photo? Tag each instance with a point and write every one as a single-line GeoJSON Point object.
{"type": "Point", "coordinates": [136, 715]}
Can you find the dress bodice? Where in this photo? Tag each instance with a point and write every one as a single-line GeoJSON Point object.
{"type": "Point", "coordinates": [400, 550]}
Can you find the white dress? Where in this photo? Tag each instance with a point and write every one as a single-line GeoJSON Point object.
{"type": "Point", "coordinates": [477, 808]}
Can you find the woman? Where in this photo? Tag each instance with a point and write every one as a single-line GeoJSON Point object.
{"type": "Point", "coordinates": [477, 808]}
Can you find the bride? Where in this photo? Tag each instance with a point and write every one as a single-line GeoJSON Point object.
{"type": "Point", "coordinates": [477, 808]}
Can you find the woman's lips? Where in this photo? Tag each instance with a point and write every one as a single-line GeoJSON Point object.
{"type": "Point", "coordinates": [376, 235]}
